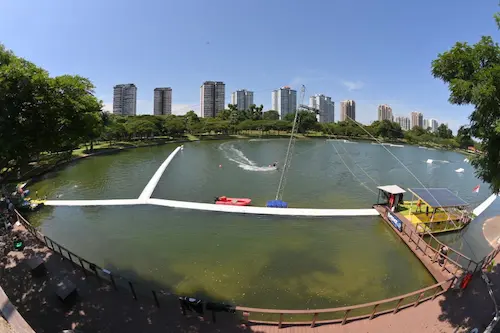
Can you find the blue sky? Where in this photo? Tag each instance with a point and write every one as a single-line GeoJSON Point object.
{"type": "Point", "coordinates": [374, 52]}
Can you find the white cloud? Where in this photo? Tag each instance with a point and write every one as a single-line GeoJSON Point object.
{"type": "Point", "coordinates": [107, 107]}
{"type": "Point", "coordinates": [181, 109]}
{"type": "Point", "coordinates": [353, 85]}
{"type": "Point", "coordinates": [145, 106]}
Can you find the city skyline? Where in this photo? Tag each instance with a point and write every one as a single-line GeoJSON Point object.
{"type": "Point", "coordinates": [324, 103]}
{"type": "Point", "coordinates": [370, 78]}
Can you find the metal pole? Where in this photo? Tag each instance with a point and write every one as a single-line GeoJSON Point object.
{"type": "Point", "coordinates": [496, 318]}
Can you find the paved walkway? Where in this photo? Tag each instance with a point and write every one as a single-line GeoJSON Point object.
{"type": "Point", "coordinates": [101, 309]}
{"type": "Point", "coordinates": [491, 230]}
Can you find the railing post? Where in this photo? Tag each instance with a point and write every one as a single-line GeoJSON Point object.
{"type": "Point", "coordinates": [281, 321]}
{"type": "Point", "coordinates": [158, 303]}
{"type": "Point", "coordinates": [113, 281]}
{"type": "Point", "coordinates": [418, 299]}
{"type": "Point", "coordinates": [345, 316]}
{"type": "Point", "coordinates": [83, 267]}
{"type": "Point", "coordinates": [397, 306]}
{"type": "Point", "coordinates": [71, 259]}
{"type": "Point", "coordinates": [418, 241]}
{"type": "Point", "coordinates": [132, 289]}
{"type": "Point", "coordinates": [435, 293]}
{"type": "Point", "coordinates": [315, 317]}
{"type": "Point", "coordinates": [246, 316]}
{"type": "Point", "coordinates": [373, 311]}
{"type": "Point", "coordinates": [445, 262]}
{"type": "Point", "coordinates": [45, 241]}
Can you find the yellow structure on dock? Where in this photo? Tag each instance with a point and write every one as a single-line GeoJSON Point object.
{"type": "Point", "coordinates": [435, 210]}
{"type": "Point", "coordinates": [432, 210]}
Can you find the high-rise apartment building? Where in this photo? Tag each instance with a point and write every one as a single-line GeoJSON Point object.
{"type": "Point", "coordinates": [212, 97]}
{"type": "Point", "coordinates": [284, 101]}
{"type": "Point", "coordinates": [125, 99]}
{"type": "Point", "coordinates": [384, 112]}
{"type": "Point", "coordinates": [326, 107]}
{"type": "Point", "coordinates": [404, 122]}
{"type": "Point", "coordinates": [347, 110]}
{"type": "Point", "coordinates": [163, 101]}
{"type": "Point", "coordinates": [242, 99]}
{"type": "Point", "coordinates": [432, 124]}
{"type": "Point", "coordinates": [417, 119]}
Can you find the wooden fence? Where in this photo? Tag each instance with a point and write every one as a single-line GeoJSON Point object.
{"type": "Point", "coordinates": [426, 241]}
{"type": "Point", "coordinates": [341, 315]}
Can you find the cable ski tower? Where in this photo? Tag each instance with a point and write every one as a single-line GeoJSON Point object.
{"type": "Point", "coordinates": [291, 145]}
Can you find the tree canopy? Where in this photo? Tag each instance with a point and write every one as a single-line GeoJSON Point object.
{"type": "Point", "coordinates": [472, 73]}
{"type": "Point", "coordinates": [41, 114]}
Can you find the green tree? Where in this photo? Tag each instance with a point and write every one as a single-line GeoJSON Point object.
{"type": "Point", "coordinates": [463, 138]}
{"type": "Point", "coordinates": [174, 125]}
{"type": "Point", "coordinates": [271, 115]}
{"type": "Point", "coordinates": [306, 121]}
{"type": "Point", "coordinates": [41, 114]}
{"type": "Point", "coordinates": [192, 122]}
{"type": "Point", "coordinates": [444, 132]}
{"type": "Point", "coordinates": [473, 75]}
{"type": "Point", "coordinates": [224, 114]}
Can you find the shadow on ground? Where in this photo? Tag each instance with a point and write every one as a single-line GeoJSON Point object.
{"type": "Point", "coordinates": [472, 307]}
{"type": "Point", "coordinates": [98, 306]}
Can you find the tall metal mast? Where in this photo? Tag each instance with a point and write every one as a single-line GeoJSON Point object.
{"type": "Point", "coordinates": [289, 151]}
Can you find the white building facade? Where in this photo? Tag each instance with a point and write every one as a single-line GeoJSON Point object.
{"type": "Point", "coordinates": [404, 122]}
{"type": "Point", "coordinates": [284, 100]}
{"type": "Point", "coordinates": [162, 101]}
{"type": "Point", "coordinates": [326, 107]}
{"type": "Point", "coordinates": [212, 98]}
{"type": "Point", "coordinates": [125, 99]}
{"type": "Point", "coordinates": [432, 124]}
{"type": "Point", "coordinates": [242, 99]}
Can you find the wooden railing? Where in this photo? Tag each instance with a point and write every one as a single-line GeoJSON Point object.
{"type": "Point", "coordinates": [349, 313]}
{"type": "Point", "coordinates": [320, 316]}
{"type": "Point", "coordinates": [455, 257]}
{"type": "Point", "coordinates": [489, 258]}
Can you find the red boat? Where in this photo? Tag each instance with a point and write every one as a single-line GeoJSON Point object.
{"type": "Point", "coordinates": [232, 201]}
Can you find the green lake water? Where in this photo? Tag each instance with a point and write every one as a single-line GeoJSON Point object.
{"type": "Point", "coordinates": [271, 262]}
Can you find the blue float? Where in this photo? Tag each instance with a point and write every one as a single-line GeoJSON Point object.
{"type": "Point", "coordinates": [277, 204]}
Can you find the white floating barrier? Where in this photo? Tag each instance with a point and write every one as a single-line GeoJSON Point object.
{"type": "Point", "coordinates": [262, 210]}
{"type": "Point", "coordinates": [77, 203]}
{"type": "Point", "coordinates": [150, 187]}
{"type": "Point", "coordinates": [145, 199]}
{"type": "Point", "coordinates": [486, 203]}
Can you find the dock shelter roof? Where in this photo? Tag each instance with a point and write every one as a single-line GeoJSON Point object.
{"type": "Point", "coordinates": [391, 189]}
{"type": "Point", "coordinates": [438, 197]}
